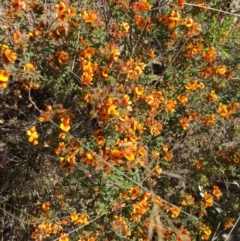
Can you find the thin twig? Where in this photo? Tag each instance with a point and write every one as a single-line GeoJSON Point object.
{"type": "Point", "coordinates": [232, 229]}
{"type": "Point", "coordinates": [213, 9]}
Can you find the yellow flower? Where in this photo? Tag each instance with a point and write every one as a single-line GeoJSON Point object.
{"type": "Point", "coordinates": [125, 26]}
{"type": "Point", "coordinates": [139, 90]}
{"type": "Point", "coordinates": [165, 148]}
{"type": "Point", "coordinates": [82, 219]}
{"type": "Point", "coordinates": [4, 75]}
{"type": "Point", "coordinates": [63, 237]}
{"type": "Point", "coordinates": [29, 67]}
{"type": "Point", "coordinates": [158, 169]}
{"type": "Point", "coordinates": [33, 135]}
{"type": "Point", "coordinates": [115, 53]}
{"type": "Point", "coordinates": [4, 47]}
{"type": "Point", "coordinates": [65, 125]}
{"type": "Point", "coordinates": [74, 217]}
{"type": "Point", "coordinates": [112, 110]}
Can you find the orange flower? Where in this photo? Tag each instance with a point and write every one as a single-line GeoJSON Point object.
{"type": "Point", "coordinates": [65, 124]}
{"type": "Point", "coordinates": [112, 110]}
{"type": "Point", "coordinates": [18, 5]}
{"type": "Point", "coordinates": [4, 75]}
{"type": "Point", "coordinates": [134, 191]}
{"type": "Point", "coordinates": [170, 105]}
{"type": "Point", "coordinates": [165, 148]}
{"type": "Point", "coordinates": [158, 169]}
{"type": "Point", "coordinates": [183, 99]}
{"type": "Point", "coordinates": [60, 8]}
{"type": "Point", "coordinates": [74, 217]}
{"type": "Point", "coordinates": [209, 55]}
{"type": "Point", "coordinates": [151, 54]}
{"type": "Point", "coordinates": [192, 85]}
{"type": "Point", "coordinates": [29, 67]}
{"type": "Point", "coordinates": [184, 123]}
{"type": "Point", "coordinates": [10, 56]}
{"type": "Point", "coordinates": [125, 26]}
{"type": "Point", "coordinates": [72, 11]}
{"type": "Point", "coordinates": [156, 128]}
{"type": "Point", "coordinates": [17, 36]}
{"type": "Point", "coordinates": [210, 120]}
{"type": "Point", "coordinates": [46, 206]}
{"type": "Point", "coordinates": [88, 52]}
{"type": "Point", "coordinates": [201, 86]}
{"type": "Point", "coordinates": [126, 100]}
{"type": "Point", "coordinates": [217, 192]}
{"type": "Point", "coordinates": [144, 6]}
{"type": "Point", "coordinates": [188, 22]}
{"type": "Point", "coordinates": [229, 223]}
{"type": "Point", "coordinates": [89, 160]}
{"type": "Point", "coordinates": [139, 90]}
{"type": "Point", "coordinates": [82, 219]}
{"type": "Point", "coordinates": [168, 156]}
{"type": "Point", "coordinates": [89, 16]}
{"type": "Point", "coordinates": [207, 232]}
{"type": "Point", "coordinates": [149, 99]}
{"type": "Point", "coordinates": [208, 199]}
{"type": "Point", "coordinates": [62, 17]}
{"type": "Point", "coordinates": [221, 70]}
{"type": "Point", "coordinates": [175, 211]}
{"type": "Point", "coordinates": [115, 53]}
{"type": "Point", "coordinates": [188, 201]}
{"type": "Point", "coordinates": [62, 57]}
{"type": "Point", "coordinates": [175, 16]}
{"type": "Point", "coordinates": [212, 96]}
{"type": "Point", "coordinates": [198, 164]}
{"type": "Point", "coordinates": [63, 237]}
{"type": "Point", "coordinates": [181, 3]}
{"type": "Point", "coordinates": [222, 110]}
{"type": "Point", "coordinates": [159, 201]}
{"type": "Point", "coordinates": [128, 154]}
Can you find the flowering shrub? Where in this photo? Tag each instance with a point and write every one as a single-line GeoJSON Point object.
{"type": "Point", "coordinates": [142, 117]}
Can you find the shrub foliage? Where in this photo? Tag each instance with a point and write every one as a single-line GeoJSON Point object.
{"type": "Point", "coordinates": [119, 120]}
